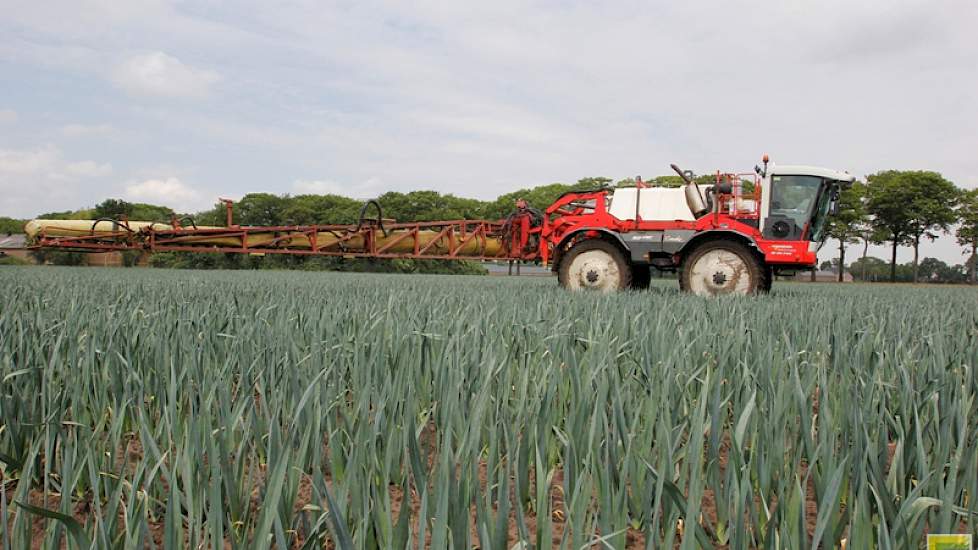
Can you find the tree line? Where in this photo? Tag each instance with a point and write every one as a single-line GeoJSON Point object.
{"type": "Point", "coordinates": [905, 208]}
{"type": "Point", "coordinates": [930, 270]}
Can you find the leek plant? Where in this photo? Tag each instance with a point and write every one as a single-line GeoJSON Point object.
{"type": "Point", "coordinates": [159, 409]}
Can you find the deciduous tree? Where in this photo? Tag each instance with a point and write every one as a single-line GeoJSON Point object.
{"type": "Point", "coordinates": [849, 224]}
{"type": "Point", "coordinates": [261, 209]}
{"type": "Point", "coordinates": [909, 205]}
{"type": "Point", "coordinates": [887, 197]}
{"type": "Point", "coordinates": [967, 232]}
{"type": "Point", "coordinates": [932, 209]}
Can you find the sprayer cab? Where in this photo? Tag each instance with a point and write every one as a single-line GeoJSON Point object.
{"type": "Point", "coordinates": [799, 201]}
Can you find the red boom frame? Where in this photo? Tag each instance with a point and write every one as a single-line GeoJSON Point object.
{"type": "Point", "coordinates": [574, 214]}
{"type": "Point", "coordinates": [448, 242]}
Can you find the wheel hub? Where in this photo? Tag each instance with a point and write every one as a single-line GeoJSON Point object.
{"type": "Point", "coordinates": [720, 271]}
{"type": "Point", "coordinates": [594, 270]}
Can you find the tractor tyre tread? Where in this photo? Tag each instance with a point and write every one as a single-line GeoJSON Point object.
{"type": "Point", "coordinates": [624, 267]}
{"type": "Point", "coordinates": [759, 273]}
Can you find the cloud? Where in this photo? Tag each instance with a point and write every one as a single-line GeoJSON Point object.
{"type": "Point", "coordinates": [87, 130]}
{"type": "Point", "coordinates": [7, 116]}
{"type": "Point", "coordinates": [41, 179]}
{"type": "Point", "coordinates": [482, 99]}
{"type": "Point", "coordinates": [15, 162]}
{"type": "Point", "coordinates": [168, 191]}
{"type": "Point", "coordinates": [369, 188]}
{"type": "Point", "coordinates": [47, 164]}
{"type": "Point", "coordinates": [88, 169]}
{"type": "Point", "coordinates": [159, 74]}
{"type": "Point", "coordinates": [318, 187]}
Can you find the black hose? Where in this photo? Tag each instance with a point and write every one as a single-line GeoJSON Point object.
{"type": "Point", "coordinates": [190, 219]}
{"type": "Point", "coordinates": [380, 216]}
{"type": "Point", "coordinates": [115, 223]}
{"type": "Point", "coordinates": [536, 219]}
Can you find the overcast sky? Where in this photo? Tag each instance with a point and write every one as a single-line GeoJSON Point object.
{"type": "Point", "coordinates": [179, 103]}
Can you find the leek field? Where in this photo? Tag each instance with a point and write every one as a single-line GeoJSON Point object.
{"type": "Point", "coordinates": [184, 409]}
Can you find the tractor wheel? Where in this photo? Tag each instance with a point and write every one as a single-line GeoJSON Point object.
{"type": "Point", "coordinates": [641, 276]}
{"type": "Point", "coordinates": [594, 264]}
{"type": "Point", "coordinates": [722, 267]}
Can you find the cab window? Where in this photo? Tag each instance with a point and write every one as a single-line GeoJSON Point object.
{"type": "Point", "coordinates": [794, 196]}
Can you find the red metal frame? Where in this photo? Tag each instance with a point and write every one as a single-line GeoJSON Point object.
{"type": "Point", "coordinates": [584, 212]}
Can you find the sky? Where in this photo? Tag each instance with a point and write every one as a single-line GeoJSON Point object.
{"type": "Point", "coordinates": [179, 103]}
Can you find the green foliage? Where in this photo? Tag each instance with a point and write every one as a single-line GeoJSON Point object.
{"type": "Point", "coordinates": [538, 197]}
{"type": "Point", "coordinates": [932, 206]}
{"type": "Point", "coordinates": [12, 260]}
{"type": "Point", "coordinates": [261, 209]}
{"type": "Point", "coordinates": [909, 205]}
{"type": "Point", "coordinates": [887, 197]}
{"type": "Point", "coordinates": [673, 180]}
{"type": "Point", "coordinates": [593, 183]}
{"type": "Point", "coordinates": [937, 271]}
{"type": "Point", "coordinates": [320, 209]}
{"type": "Point", "coordinates": [118, 208]}
{"type": "Point", "coordinates": [670, 181]}
{"type": "Point", "coordinates": [273, 409]}
{"type": "Point", "coordinates": [83, 214]}
{"type": "Point", "coordinates": [198, 260]}
{"type": "Point", "coordinates": [192, 260]}
{"type": "Point", "coordinates": [421, 206]}
{"type": "Point", "coordinates": [10, 226]}
{"type": "Point", "coordinates": [57, 257]}
{"type": "Point", "coordinates": [851, 221]}
{"type": "Point", "coordinates": [215, 216]}
{"type": "Point", "coordinates": [130, 258]}
{"type": "Point", "coordinates": [930, 270]}
{"type": "Point", "coordinates": [112, 208]}
{"type": "Point", "coordinates": [967, 232]}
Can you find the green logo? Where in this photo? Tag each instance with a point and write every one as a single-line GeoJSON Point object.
{"type": "Point", "coordinates": [948, 542]}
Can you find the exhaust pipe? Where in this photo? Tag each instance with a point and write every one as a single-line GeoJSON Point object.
{"type": "Point", "coordinates": [694, 198]}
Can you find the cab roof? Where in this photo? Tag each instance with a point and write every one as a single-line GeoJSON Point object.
{"type": "Point", "coordinates": [800, 170]}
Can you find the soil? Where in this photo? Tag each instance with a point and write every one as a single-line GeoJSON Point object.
{"type": "Point", "coordinates": [81, 510]}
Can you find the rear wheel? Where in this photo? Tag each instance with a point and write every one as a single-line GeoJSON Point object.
{"type": "Point", "coordinates": [722, 267]}
{"type": "Point", "coordinates": [594, 264]}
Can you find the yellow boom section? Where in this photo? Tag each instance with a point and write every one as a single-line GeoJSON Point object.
{"type": "Point", "coordinates": [398, 240]}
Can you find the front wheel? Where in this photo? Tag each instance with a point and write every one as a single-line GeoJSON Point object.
{"type": "Point", "coordinates": [594, 264]}
{"type": "Point", "coordinates": [722, 267]}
